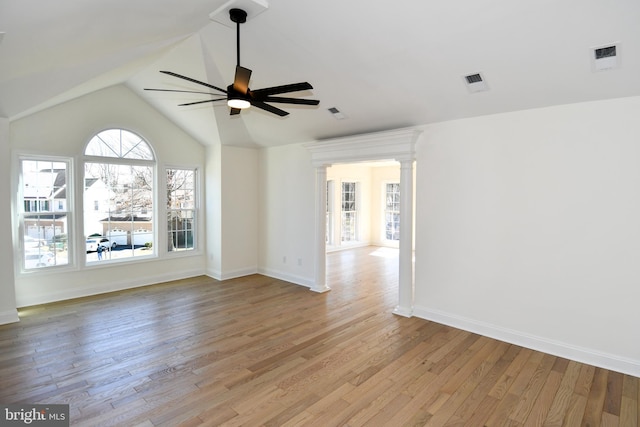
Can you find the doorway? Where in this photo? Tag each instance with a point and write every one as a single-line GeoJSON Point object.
{"type": "Point", "coordinates": [397, 145]}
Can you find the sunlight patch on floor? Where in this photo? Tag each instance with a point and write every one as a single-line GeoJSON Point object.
{"type": "Point", "coordinates": [385, 252]}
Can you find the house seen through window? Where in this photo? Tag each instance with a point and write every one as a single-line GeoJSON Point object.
{"type": "Point", "coordinates": [118, 196]}
{"type": "Point", "coordinates": [181, 209]}
{"type": "Point", "coordinates": [45, 217]}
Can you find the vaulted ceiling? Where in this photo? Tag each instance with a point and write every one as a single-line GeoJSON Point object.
{"type": "Point", "coordinates": [383, 64]}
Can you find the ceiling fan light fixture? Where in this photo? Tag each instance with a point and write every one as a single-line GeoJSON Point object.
{"type": "Point", "coordinates": [238, 103]}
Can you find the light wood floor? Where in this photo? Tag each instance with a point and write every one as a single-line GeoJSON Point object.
{"type": "Point", "coordinates": [259, 351]}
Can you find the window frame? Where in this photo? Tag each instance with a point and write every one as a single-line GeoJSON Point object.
{"type": "Point", "coordinates": [356, 212]}
{"type": "Point", "coordinates": [386, 210]}
{"type": "Point", "coordinates": [18, 203]}
{"type": "Point", "coordinates": [121, 161]}
{"type": "Point", "coordinates": [196, 210]}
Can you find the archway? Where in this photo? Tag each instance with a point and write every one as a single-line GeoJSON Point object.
{"type": "Point", "coordinates": [398, 145]}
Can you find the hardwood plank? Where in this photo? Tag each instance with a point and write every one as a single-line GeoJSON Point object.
{"type": "Point", "coordinates": [528, 398]}
{"type": "Point", "coordinates": [629, 415]}
{"type": "Point", "coordinates": [613, 393]}
{"type": "Point", "coordinates": [545, 399]}
{"type": "Point", "coordinates": [260, 351]}
{"type": "Point", "coordinates": [595, 402]}
{"type": "Point", "coordinates": [575, 411]}
{"type": "Point", "coordinates": [469, 407]}
{"type": "Point", "coordinates": [562, 398]}
{"type": "Point", "coordinates": [609, 420]}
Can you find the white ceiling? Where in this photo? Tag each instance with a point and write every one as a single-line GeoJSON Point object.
{"type": "Point", "coordinates": [383, 64]}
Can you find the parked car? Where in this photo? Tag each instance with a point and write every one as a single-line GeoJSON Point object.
{"type": "Point", "coordinates": [93, 242]}
{"type": "Point", "coordinates": [39, 259]}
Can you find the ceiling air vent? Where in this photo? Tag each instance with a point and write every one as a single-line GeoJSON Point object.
{"type": "Point", "coordinates": [475, 83]}
{"type": "Point", "coordinates": [337, 114]}
{"type": "Point", "coordinates": [605, 57]}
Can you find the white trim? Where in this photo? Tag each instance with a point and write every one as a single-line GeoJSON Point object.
{"type": "Point", "coordinates": [556, 348]}
{"type": "Point", "coordinates": [388, 145]}
{"type": "Point", "coordinates": [9, 316]}
{"type": "Point", "coordinates": [233, 274]}
{"type": "Point", "coordinates": [349, 245]}
{"type": "Point", "coordinates": [281, 275]}
{"type": "Point", "coordinates": [66, 294]}
{"type": "Point", "coordinates": [403, 311]}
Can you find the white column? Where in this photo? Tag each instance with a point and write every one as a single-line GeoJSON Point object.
{"type": "Point", "coordinates": [320, 282]}
{"type": "Point", "coordinates": [405, 273]}
{"type": "Point", "coordinates": [8, 311]}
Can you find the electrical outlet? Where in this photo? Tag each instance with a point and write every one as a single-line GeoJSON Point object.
{"type": "Point", "coordinates": [284, 259]}
{"type": "Point", "coordinates": [299, 261]}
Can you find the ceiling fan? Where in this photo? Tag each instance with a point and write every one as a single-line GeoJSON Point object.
{"type": "Point", "coordinates": [238, 94]}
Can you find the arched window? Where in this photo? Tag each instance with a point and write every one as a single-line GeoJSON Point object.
{"type": "Point", "coordinates": [119, 175]}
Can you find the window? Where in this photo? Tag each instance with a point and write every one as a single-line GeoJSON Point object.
{"type": "Point", "coordinates": [349, 212]}
{"type": "Point", "coordinates": [181, 209]}
{"type": "Point", "coordinates": [392, 211]}
{"type": "Point", "coordinates": [43, 186]}
{"type": "Point", "coordinates": [118, 196]}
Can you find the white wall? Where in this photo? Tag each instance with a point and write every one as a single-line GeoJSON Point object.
{"type": "Point", "coordinates": [286, 220]}
{"type": "Point", "coordinates": [239, 211]}
{"type": "Point", "coordinates": [528, 229]}
{"type": "Point", "coordinates": [64, 130]}
{"type": "Point", "coordinates": [213, 210]}
{"type": "Point", "coordinates": [8, 312]}
{"type": "Point", "coordinates": [232, 211]}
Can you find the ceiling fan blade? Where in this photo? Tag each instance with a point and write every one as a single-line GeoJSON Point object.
{"type": "Point", "coordinates": [234, 111]}
{"type": "Point", "coordinates": [294, 87]}
{"type": "Point", "coordinates": [202, 102]}
{"type": "Point", "coordinates": [300, 101]}
{"type": "Point", "coordinates": [269, 108]}
{"type": "Point", "coordinates": [241, 81]}
{"type": "Point", "coordinates": [193, 80]}
{"type": "Point", "coordinates": [182, 91]}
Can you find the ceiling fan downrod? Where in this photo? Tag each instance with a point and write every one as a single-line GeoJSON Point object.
{"type": "Point", "coordinates": [238, 16]}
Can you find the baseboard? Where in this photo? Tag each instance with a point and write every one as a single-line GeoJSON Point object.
{"type": "Point", "coordinates": [241, 272]}
{"type": "Point", "coordinates": [106, 288]}
{"type": "Point", "coordinates": [347, 246]}
{"type": "Point", "coordinates": [556, 348]}
{"type": "Point", "coordinates": [296, 280]}
{"type": "Point", "coordinates": [9, 316]}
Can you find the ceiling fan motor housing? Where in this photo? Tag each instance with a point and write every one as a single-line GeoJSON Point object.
{"type": "Point", "coordinates": [238, 16]}
{"type": "Point", "coordinates": [232, 93]}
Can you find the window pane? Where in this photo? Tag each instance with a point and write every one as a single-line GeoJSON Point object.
{"type": "Point", "coordinates": [122, 225]}
{"type": "Point", "coordinates": [181, 209]}
{"type": "Point", "coordinates": [119, 143]}
{"type": "Point", "coordinates": [392, 212]}
{"type": "Point", "coordinates": [44, 219]}
{"type": "Point", "coordinates": [349, 212]}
